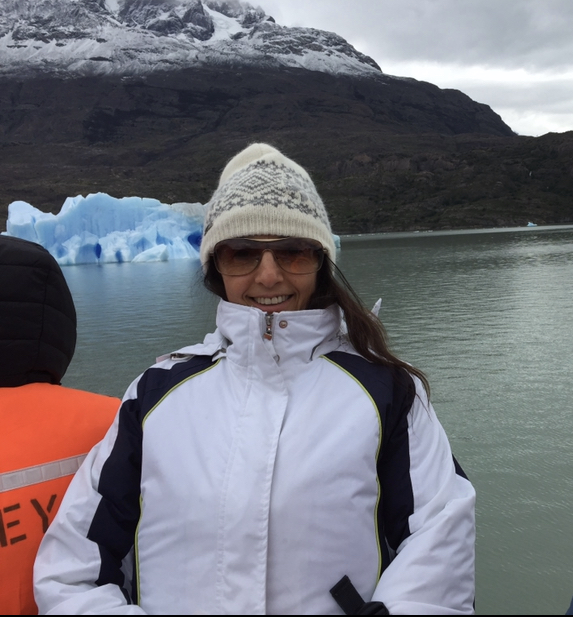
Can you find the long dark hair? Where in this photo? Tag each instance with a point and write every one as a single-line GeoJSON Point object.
{"type": "Point", "coordinates": [366, 332]}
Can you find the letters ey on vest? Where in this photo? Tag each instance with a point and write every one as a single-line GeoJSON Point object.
{"type": "Point", "coordinates": [46, 432]}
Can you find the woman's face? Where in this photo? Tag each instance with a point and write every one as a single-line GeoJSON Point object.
{"type": "Point", "coordinates": [270, 288]}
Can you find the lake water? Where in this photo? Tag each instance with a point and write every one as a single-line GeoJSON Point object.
{"type": "Point", "coordinates": [488, 315]}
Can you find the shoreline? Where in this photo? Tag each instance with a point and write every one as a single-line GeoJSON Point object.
{"type": "Point", "coordinates": [449, 232]}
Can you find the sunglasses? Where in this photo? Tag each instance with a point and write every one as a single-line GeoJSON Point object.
{"type": "Point", "coordinates": [240, 256]}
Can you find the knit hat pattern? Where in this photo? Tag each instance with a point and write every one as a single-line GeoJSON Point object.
{"type": "Point", "coordinates": [263, 193]}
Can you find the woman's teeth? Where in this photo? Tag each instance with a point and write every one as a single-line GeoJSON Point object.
{"type": "Point", "coordinates": [275, 300]}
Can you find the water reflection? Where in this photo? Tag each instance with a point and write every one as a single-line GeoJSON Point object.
{"type": "Point", "coordinates": [128, 314]}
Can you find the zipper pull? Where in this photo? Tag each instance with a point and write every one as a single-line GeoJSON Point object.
{"type": "Point", "coordinates": [269, 323]}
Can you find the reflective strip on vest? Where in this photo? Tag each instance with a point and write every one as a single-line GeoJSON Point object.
{"type": "Point", "coordinates": [12, 480]}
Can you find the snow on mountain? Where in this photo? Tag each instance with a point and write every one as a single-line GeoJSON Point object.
{"type": "Point", "coordinates": [136, 37]}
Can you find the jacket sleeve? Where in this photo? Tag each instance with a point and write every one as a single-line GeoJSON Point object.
{"type": "Point", "coordinates": [82, 563]}
{"type": "Point", "coordinates": [429, 519]}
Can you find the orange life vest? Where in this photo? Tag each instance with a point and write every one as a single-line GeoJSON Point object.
{"type": "Point", "coordinates": [45, 433]}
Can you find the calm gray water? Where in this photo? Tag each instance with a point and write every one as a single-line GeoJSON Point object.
{"type": "Point", "coordinates": [487, 315]}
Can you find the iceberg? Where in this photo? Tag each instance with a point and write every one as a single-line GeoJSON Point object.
{"type": "Point", "coordinates": [100, 228]}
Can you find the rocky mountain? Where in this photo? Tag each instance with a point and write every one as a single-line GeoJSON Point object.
{"type": "Point", "coordinates": [152, 97]}
{"type": "Point", "coordinates": [139, 37]}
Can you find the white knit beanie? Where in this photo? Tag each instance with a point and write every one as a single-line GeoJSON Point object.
{"type": "Point", "coordinates": [263, 193]}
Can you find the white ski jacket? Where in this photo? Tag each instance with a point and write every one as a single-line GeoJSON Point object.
{"type": "Point", "coordinates": [248, 474]}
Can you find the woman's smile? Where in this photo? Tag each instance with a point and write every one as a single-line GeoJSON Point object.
{"type": "Point", "coordinates": [270, 288]}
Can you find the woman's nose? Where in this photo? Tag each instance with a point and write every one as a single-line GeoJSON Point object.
{"type": "Point", "coordinates": [268, 271]}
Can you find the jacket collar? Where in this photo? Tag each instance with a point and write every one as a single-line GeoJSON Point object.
{"type": "Point", "coordinates": [289, 336]}
{"type": "Point", "coordinates": [296, 336]}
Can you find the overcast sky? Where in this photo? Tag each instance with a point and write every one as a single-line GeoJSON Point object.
{"type": "Point", "coordinates": [514, 55]}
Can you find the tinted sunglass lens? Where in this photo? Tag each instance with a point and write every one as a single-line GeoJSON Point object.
{"type": "Point", "coordinates": [241, 256]}
{"type": "Point", "coordinates": [299, 260]}
{"type": "Point", "coordinates": [236, 261]}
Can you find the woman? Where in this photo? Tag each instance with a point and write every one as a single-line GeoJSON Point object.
{"type": "Point", "coordinates": [289, 464]}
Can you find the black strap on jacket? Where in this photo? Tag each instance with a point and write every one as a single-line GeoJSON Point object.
{"type": "Point", "coordinates": [351, 602]}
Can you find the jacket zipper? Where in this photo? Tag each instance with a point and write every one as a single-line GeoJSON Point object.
{"type": "Point", "coordinates": [269, 324]}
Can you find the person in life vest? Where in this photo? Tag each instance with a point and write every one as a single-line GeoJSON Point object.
{"type": "Point", "coordinates": [46, 429]}
{"type": "Point", "coordinates": [290, 464]}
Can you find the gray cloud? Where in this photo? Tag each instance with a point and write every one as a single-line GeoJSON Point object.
{"type": "Point", "coordinates": [508, 33]}
{"type": "Point", "coordinates": [446, 41]}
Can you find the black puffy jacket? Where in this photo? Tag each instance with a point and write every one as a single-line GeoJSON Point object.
{"type": "Point", "coordinates": [38, 325]}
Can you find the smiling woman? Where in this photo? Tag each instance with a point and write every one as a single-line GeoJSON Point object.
{"type": "Point", "coordinates": [290, 464]}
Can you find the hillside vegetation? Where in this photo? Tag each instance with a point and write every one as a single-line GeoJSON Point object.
{"type": "Point", "coordinates": [386, 154]}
